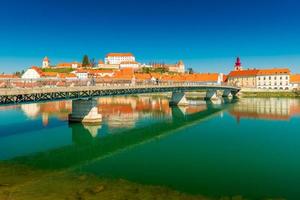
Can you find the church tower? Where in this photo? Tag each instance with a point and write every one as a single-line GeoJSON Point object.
{"type": "Point", "coordinates": [46, 62]}
{"type": "Point", "coordinates": [238, 65]}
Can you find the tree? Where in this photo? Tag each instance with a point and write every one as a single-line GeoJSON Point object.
{"type": "Point", "coordinates": [93, 62]}
{"type": "Point", "coordinates": [190, 70]}
{"type": "Point", "coordinates": [86, 61]}
{"type": "Point", "coordinates": [145, 70]}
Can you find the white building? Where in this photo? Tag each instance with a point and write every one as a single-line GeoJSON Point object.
{"type": "Point", "coordinates": [32, 73]}
{"type": "Point", "coordinates": [295, 81]}
{"type": "Point", "coordinates": [178, 67]}
{"type": "Point", "coordinates": [73, 65]}
{"type": "Point", "coordinates": [274, 79]}
{"type": "Point", "coordinates": [118, 58]}
{"type": "Point", "coordinates": [104, 73]}
{"type": "Point", "coordinates": [46, 62]}
{"type": "Point", "coordinates": [144, 65]}
{"type": "Point", "coordinates": [129, 64]}
{"type": "Point", "coordinates": [81, 74]}
{"type": "Point", "coordinates": [101, 64]}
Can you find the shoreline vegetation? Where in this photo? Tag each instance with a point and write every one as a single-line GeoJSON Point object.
{"type": "Point", "coordinates": [199, 95]}
{"type": "Point", "coordinates": [23, 183]}
{"type": "Point", "coordinates": [269, 94]}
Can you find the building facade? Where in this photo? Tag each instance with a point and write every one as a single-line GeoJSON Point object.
{"type": "Point", "coordinates": [72, 65]}
{"type": "Point", "coordinates": [295, 81]}
{"type": "Point", "coordinates": [273, 79]}
{"type": "Point", "coordinates": [178, 67]}
{"type": "Point", "coordinates": [243, 78]}
{"type": "Point", "coordinates": [129, 64]}
{"type": "Point", "coordinates": [118, 58]}
{"type": "Point", "coordinates": [32, 73]}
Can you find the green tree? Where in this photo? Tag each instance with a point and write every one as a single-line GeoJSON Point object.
{"type": "Point", "coordinates": [93, 62]}
{"type": "Point", "coordinates": [86, 61]}
{"type": "Point", "coordinates": [190, 71]}
{"type": "Point", "coordinates": [145, 70]}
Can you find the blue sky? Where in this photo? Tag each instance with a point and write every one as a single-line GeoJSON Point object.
{"type": "Point", "coordinates": [206, 34]}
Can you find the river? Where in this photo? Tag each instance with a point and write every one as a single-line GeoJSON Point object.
{"type": "Point", "coordinates": [248, 147]}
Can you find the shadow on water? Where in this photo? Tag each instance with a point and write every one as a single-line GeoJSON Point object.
{"type": "Point", "coordinates": [86, 147]}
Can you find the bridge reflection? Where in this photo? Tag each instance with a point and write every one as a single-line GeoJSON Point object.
{"type": "Point", "coordinates": [88, 144]}
{"type": "Point", "coordinates": [127, 121]}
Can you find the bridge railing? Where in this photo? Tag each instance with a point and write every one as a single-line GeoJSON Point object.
{"type": "Point", "coordinates": [55, 82]}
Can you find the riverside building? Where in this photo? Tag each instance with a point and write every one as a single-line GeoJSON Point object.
{"type": "Point", "coordinates": [242, 78]}
{"type": "Point", "coordinates": [271, 79]}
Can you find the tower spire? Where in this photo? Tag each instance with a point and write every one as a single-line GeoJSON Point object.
{"type": "Point", "coordinates": [238, 64]}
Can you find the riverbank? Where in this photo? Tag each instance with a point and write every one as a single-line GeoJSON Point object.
{"type": "Point", "coordinates": [22, 183]}
{"type": "Point", "coordinates": [199, 95]}
{"type": "Point", "coordinates": [268, 93]}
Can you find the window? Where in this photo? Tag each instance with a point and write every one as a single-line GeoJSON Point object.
{"type": "Point", "coordinates": [269, 77]}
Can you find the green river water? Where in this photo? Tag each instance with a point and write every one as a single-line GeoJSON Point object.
{"type": "Point", "coordinates": [248, 148]}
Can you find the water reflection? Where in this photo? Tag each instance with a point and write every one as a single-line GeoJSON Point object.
{"type": "Point", "coordinates": [266, 108]}
{"type": "Point", "coordinates": [146, 141]}
{"type": "Point", "coordinates": [59, 109]}
{"type": "Point", "coordinates": [124, 112]}
{"type": "Point", "coordinates": [123, 115]}
{"type": "Point", "coordinates": [87, 147]}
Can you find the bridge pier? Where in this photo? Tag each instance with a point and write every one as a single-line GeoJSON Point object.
{"type": "Point", "coordinates": [211, 94]}
{"type": "Point", "coordinates": [85, 111]}
{"type": "Point", "coordinates": [227, 93]}
{"type": "Point", "coordinates": [234, 93]}
{"type": "Point", "coordinates": [178, 99]}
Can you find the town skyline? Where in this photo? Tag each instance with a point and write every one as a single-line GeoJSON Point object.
{"type": "Point", "coordinates": [248, 63]}
{"type": "Point", "coordinates": [206, 35]}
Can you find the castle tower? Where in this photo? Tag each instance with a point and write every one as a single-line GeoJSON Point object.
{"type": "Point", "coordinates": [238, 65]}
{"type": "Point", "coordinates": [46, 62]}
{"type": "Point", "coordinates": [181, 67]}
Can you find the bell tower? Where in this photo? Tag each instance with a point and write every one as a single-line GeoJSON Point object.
{"type": "Point", "coordinates": [238, 65]}
{"type": "Point", "coordinates": [46, 62]}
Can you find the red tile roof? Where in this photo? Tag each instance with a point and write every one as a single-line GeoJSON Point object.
{"type": "Point", "coordinates": [129, 62]}
{"type": "Point", "coordinates": [50, 74]}
{"type": "Point", "coordinates": [295, 78]}
{"type": "Point", "coordinates": [8, 76]}
{"type": "Point", "coordinates": [38, 70]}
{"type": "Point", "coordinates": [274, 71]}
{"type": "Point", "coordinates": [66, 75]}
{"type": "Point", "coordinates": [248, 72]}
{"type": "Point", "coordinates": [256, 72]}
{"type": "Point", "coordinates": [119, 55]}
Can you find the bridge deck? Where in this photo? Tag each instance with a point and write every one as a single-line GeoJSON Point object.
{"type": "Point", "coordinates": [18, 91]}
{"type": "Point", "coordinates": [18, 95]}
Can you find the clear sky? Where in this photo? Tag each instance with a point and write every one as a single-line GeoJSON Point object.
{"type": "Point", "coordinates": [206, 34]}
